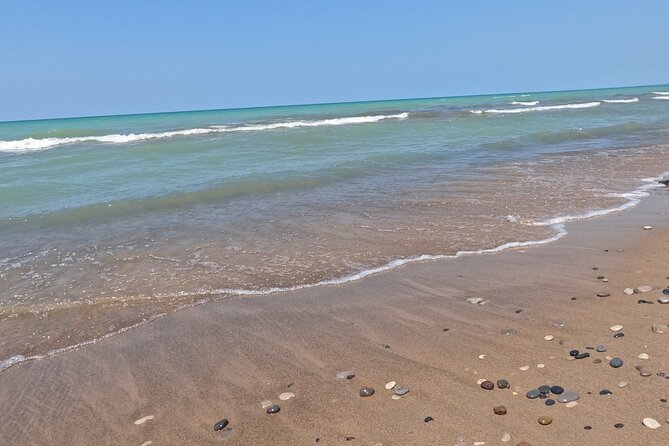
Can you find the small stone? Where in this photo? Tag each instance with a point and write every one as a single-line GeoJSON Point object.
{"type": "Point", "coordinates": [567, 396]}
{"type": "Point", "coordinates": [616, 362]}
{"type": "Point", "coordinates": [616, 327]}
{"type": "Point", "coordinates": [150, 417]}
{"type": "Point", "coordinates": [605, 280]}
{"type": "Point", "coordinates": [628, 291]}
{"type": "Point", "coordinates": [571, 404]}
{"type": "Point", "coordinates": [506, 437]}
{"type": "Point", "coordinates": [574, 353]}
{"type": "Point", "coordinates": [273, 409]}
{"type": "Point", "coordinates": [587, 428]}
{"type": "Point", "coordinates": [474, 300]}
{"type": "Point", "coordinates": [366, 391]}
{"type": "Point", "coordinates": [651, 423]}
{"type": "Point", "coordinates": [544, 420]}
{"type": "Point", "coordinates": [285, 396]}
{"type": "Point", "coordinates": [600, 348]}
{"type": "Point", "coordinates": [541, 366]}
{"type": "Point", "coordinates": [544, 389]}
{"type": "Point", "coordinates": [265, 404]}
{"type": "Point", "coordinates": [644, 356]}
{"type": "Point", "coordinates": [647, 227]}
{"type": "Point", "coordinates": [597, 361]}
{"type": "Point", "coordinates": [399, 390]}
{"type": "Point", "coordinates": [396, 397]}
{"type": "Point", "coordinates": [390, 385]}
{"type": "Point", "coordinates": [499, 410]}
{"type": "Point", "coordinates": [642, 301]}
{"type": "Point", "coordinates": [557, 390]}
{"type": "Point", "coordinates": [508, 331]}
{"type": "Point", "coordinates": [602, 294]}
{"type": "Point", "coordinates": [221, 424]}
{"type": "Point", "coordinates": [487, 385]}
{"type": "Point", "coordinates": [533, 394]}
{"type": "Point", "coordinates": [549, 402]}
{"type": "Point", "coordinates": [665, 291]}
{"type": "Point", "coordinates": [619, 425]}
{"type": "Point", "coordinates": [644, 288]}
{"type": "Point", "coordinates": [660, 328]}
{"type": "Point", "coordinates": [605, 392]}
{"type": "Point", "coordinates": [428, 419]}
{"type": "Point", "coordinates": [623, 384]}
{"type": "Point", "coordinates": [559, 324]}
{"type": "Point", "coordinates": [582, 355]}
{"type": "Point", "coordinates": [663, 300]}
{"type": "Point", "coordinates": [525, 368]}
{"type": "Point", "coordinates": [503, 384]}
{"type": "Point", "coordinates": [645, 373]}
{"type": "Point", "coordinates": [620, 334]}
{"type": "Point", "coordinates": [345, 375]}
{"type": "Point", "coordinates": [548, 338]}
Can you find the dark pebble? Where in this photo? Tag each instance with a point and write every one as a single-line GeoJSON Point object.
{"type": "Point", "coordinates": [273, 409]}
{"type": "Point", "coordinates": [549, 402]}
{"type": "Point", "coordinates": [641, 301]}
{"type": "Point", "coordinates": [543, 396]}
{"type": "Point", "coordinates": [519, 311]}
{"type": "Point", "coordinates": [503, 384]}
{"type": "Point", "coordinates": [582, 355]}
{"type": "Point", "coordinates": [573, 298]}
{"type": "Point", "coordinates": [557, 390]}
{"type": "Point", "coordinates": [499, 410]}
{"type": "Point", "coordinates": [386, 346]}
{"type": "Point", "coordinates": [600, 348]}
{"type": "Point", "coordinates": [544, 389]}
{"type": "Point", "coordinates": [487, 385]}
{"type": "Point", "coordinates": [532, 394]}
{"type": "Point", "coordinates": [597, 361]}
{"type": "Point", "coordinates": [366, 391]}
{"type": "Point", "coordinates": [574, 353]}
{"type": "Point", "coordinates": [221, 424]}
{"type": "Point", "coordinates": [350, 438]}
{"type": "Point", "coordinates": [618, 425]}
{"type": "Point", "coordinates": [428, 419]}
{"type": "Point", "coordinates": [620, 334]}
{"type": "Point", "coordinates": [445, 329]}
{"type": "Point", "coordinates": [665, 291]}
{"type": "Point", "coordinates": [605, 392]}
{"type": "Point", "coordinates": [603, 294]}
{"type": "Point", "coordinates": [587, 428]}
{"type": "Point", "coordinates": [600, 277]}
{"type": "Point", "coordinates": [616, 362]}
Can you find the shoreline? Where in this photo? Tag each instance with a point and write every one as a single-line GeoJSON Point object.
{"type": "Point", "coordinates": [220, 360]}
{"type": "Point", "coordinates": [556, 223]}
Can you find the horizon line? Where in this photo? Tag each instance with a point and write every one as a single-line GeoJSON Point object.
{"type": "Point", "coordinates": [327, 103]}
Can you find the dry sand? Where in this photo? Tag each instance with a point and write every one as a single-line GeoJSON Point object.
{"type": "Point", "coordinates": [220, 360]}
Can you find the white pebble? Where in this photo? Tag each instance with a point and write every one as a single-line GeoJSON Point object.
{"type": "Point", "coordinates": [651, 423]}
{"type": "Point", "coordinates": [525, 367]}
{"type": "Point", "coordinates": [506, 437]}
{"type": "Point", "coordinates": [481, 356]}
{"type": "Point", "coordinates": [479, 443]}
{"type": "Point", "coordinates": [616, 327]}
{"type": "Point", "coordinates": [644, 356]}
{"type": "Point", "coordinates": [645, 288]}
{"type": "Point", "coordinates": [396, 397]}
{"type": "Point", "coordinates": [541, 366]}
{"type": "Point", "coordinates": [267, 403]}
{"type": "Point", "coordinates": [286, 396]}
{"type": "Point", "coordinates": [480, 381]}
{"type": "Point", "coordinates": [628, 291]}
{"type": "Point", "coordinates": [548, 338]}
{"type": "Point", "coordinates": [144, 419]}
{"type": "Point", "coordinates": [147, 443]}
{"type": "Point", "coordinates": [647, 227]}
{"type": "Point", "coordinates": [571, 404]}
{"type": "Point", "coordinates": [392, 384]}
{"type": "Point", "coordinates": [474, 300]}
{"type": "Point", "coordinates": [622, 384]}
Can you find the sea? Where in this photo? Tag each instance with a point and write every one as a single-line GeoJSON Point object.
{"type": "Point", "coordinates": [109, 222]}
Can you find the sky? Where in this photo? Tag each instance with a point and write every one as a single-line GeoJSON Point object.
{"type": "Point", "coordinates": [82, 58]}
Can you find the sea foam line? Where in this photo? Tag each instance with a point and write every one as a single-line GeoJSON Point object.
{"type": "Point", "coordinates": [661, 97]}
{"type": "Point", "coordinates": [37, 144]}
{"type": "Point", "coordinates": [558, 224]}
{"type": "Point", "coordinates": [661, 92]}
{"type": "Point", "coordinates": [620, 101]}
{"type": "Point", "coordinates": [524, 102]}
{"type": "Point", "coordinates": [538, 108]}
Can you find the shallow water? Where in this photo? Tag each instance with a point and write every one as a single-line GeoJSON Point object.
{"type": "Point", "coordinates": [107, 222]}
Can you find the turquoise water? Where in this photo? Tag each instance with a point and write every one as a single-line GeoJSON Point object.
{"type": "Point", "coordinates": [118, 219]}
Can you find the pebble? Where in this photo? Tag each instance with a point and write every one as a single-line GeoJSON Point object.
{"type": "Point", "coordinates": [663, 300]}
{"type": "Point", "coordinates": [665, 291]}
{"type": "Point", "coordinates": [366, 391]}
{"type": "Point", "coordinates": [503, 384]}
{"type": "Point", "coordinates": [474, 300]}
{"type": "Point", "coordinates": [644, 356]}
{"type": "Point", "coordinates": [605, 392]}
{"type": "Point", "coordinates": [628, 291]}
{"type": "Point", "coordinates": [557, 390]}
{"type": "Point", "coordinates": [582, 355]}
{"type": "Point", "coordinates": [218, 426]}
{"type": "Point", "coordinates": [616, 327]}
{"type": "Point", "coordinates": [544, 420]}
{"type": "Point", "coordinates": [506, 437]}
{"type": "Point", "coordinates": [151, 417]}
{"type": "Point", "coordinates": [660, 328]}
{"type": "Point", "coordinates": [559, 324]}
{"type": "Point", "coordinates": [533, 394]}
{"type": "Point", "coordinates": [549, 402]}
{"type": "Point", "coordinates": [345, 375]}
{"type": "Point", "coordinates": [396, 397]}
{"type": "Point", "coordinates": [499, 410]}
{"type": "Point", "coordinates": [622, 384]}
{"type": "Point", "coordinates": [285, 396]}
{"type": "Point", "coordinates": [548, 338]}
{"type": "Point", "coordinates": [525, 367]}
{"type": "Point", "coordinates": [390, 385]}
{"type": "Point", "coordinates": [574, 353]}
{"type": "Point", "coordinates": [642, 301]}
{"type": "Point", "coordinates": [616, 362]}
{"type": "Point", "coordinates": [651, 423]}
{"type": "Point", "coordinates": [480, 381]}
{"type": "Point", "coordinates": [647, 227]}
{"type": "Point", "coordinates": [645, 373]}
{"type": "Point", "coordinates": [600, 348]}
{"type": "Point", "coordinates": [644, 288]}
{"type": "Point", "coordinates": [619, 425]}
{"type": "Point", "coordinates": [508, 331]}
{"type": "Point", "coordinates": [597, 361]}
{"type": "Point", "coordinates": [428, 419]}
{"type": "Point", "coordinates": [603, 294]}
{"type": "Point", "coordinates": [620, 334]}
{"type": "Point", "coordinates": [587, 428]}
{"type": "Point", "coordinates": [541, 366]}
{"type": "Point", "coordinates": [567, 396]}
{"type": "Point", "coordinates": [273, 409]}
{"type": "Point", "coordinates": [399, 390]}
{"type": "Point", "coordinates": [265, 404]}
{"type": "Point", "coordinates": [544, 389]}
{"type": "Point", "coordinates": [523, 443]}
{"type": "Point", "coordinates": [571, 404]}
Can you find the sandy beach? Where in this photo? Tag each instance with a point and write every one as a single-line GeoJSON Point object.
{"type": "Point", "coordinates": [412, 325]}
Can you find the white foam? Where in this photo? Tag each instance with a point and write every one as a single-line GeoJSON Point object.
{"type": "Point", "coordinates": [661, 92]}
{"type": "Point", "coordinates": [557, 224]}
{"type": "Point", "coordinates": [33, 144]}
{"type": "Point", "coordinates": [538, 108]}
{"type": "Point", "coordinates": [660, 97]}
{"type": "Point", "coordinates": [524, 102]}
{"type": "Point", "coordinates": [620, 101]}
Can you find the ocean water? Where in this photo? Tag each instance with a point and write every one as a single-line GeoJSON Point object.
{"type": "Point", "coordinates": [109, 222]}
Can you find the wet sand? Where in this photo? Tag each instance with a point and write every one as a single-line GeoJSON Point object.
{"type": "Point", "coordinates": [220, 360]}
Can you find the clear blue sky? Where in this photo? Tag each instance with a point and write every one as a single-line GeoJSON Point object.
{"type": "Point", "coordinates": [76, 58]}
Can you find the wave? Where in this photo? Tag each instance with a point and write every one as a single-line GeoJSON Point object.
{"type": "Point", "coordinates": [557, 223]}
{"type": "Point", "coordinates": [539, 108]}
{"type": "Point", "coordinates": [661, 92]}
{"type": "Point", "coordinates": [661, 97]}
{"type": "Point", "coordinates": [620, 101]}
{"type": "Point", "coordinates": [524, 102]}
{"type": "Point", "coordinates": [37, 144]}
